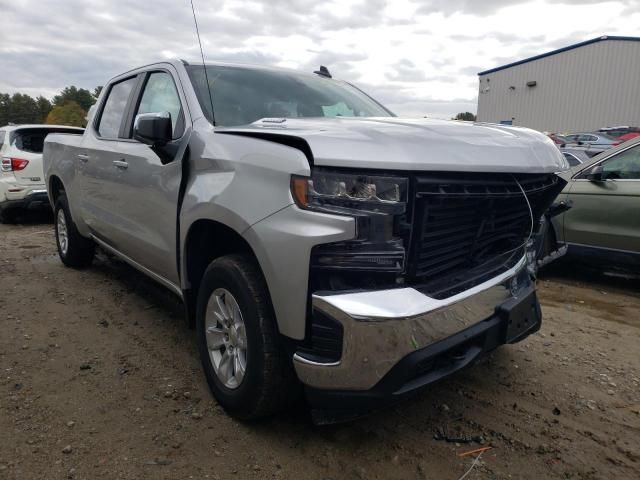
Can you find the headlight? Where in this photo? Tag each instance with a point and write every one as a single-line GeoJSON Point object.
{"type": "Point", "coordinates": [350, 193]}
{"type": "Point", "coordinates": [377, 202]}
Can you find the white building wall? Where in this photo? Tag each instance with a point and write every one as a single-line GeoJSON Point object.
{"type": "Point", "coordinates": [582, 89]}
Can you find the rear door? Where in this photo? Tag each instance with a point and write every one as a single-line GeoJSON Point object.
{"type": "Point", "coordinates": [96, 174]}
{"type": "Point", "coordinates": [605, 213]}
{"type": "Point", "coordinates": [148, 186]}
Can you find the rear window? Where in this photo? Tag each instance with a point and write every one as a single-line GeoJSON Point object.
{"type": "Point", "coordinates": [31, 140]}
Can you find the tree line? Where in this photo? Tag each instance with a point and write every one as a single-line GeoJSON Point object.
{"type": "Point", "coordinates": [69, 107]}
{"type": "Point", "coordinates": [466, 116]}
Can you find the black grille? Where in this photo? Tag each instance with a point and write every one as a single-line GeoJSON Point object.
{"type": "Point", "coordinates": [470, 227]}
{"type": "Point", "coordinates": [324, 341]}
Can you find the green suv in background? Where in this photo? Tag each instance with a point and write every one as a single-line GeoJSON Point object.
{"type": "Point", "coordinates": [602, 224]}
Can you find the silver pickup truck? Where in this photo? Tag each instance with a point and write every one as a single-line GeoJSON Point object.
{"type": "Point", "coordinates": [315, 238]}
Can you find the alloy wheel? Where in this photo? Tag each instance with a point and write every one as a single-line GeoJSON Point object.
{"type": "Point", "coordinates": [63, 236]}
{"type": "Point", "coordinates": [226, 338]}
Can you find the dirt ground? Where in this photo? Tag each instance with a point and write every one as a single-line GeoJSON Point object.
{"type": "Point", "coordinates": [99, 378]}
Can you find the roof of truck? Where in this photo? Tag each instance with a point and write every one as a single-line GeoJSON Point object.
{"type": "Point", "coordinates": [185, 63]}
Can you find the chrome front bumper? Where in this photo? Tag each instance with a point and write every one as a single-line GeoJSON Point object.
{"type": "Point", "coordinates": [382, 327]}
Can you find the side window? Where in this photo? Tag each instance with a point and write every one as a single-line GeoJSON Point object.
{"type": "Point", "coordinates": [114, 107]}
{"type": "Point", "coordinates": [2, 135]}
{"type": "Point", "coordinates": [624, 166]}
{"type": "Point", "coordinates": [160, 95]}
{"type": "Point", "coordinates": [592, 138]}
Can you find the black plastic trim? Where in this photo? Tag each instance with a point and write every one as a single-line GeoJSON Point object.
{"type": "Point", "coordinates": [30, 202]}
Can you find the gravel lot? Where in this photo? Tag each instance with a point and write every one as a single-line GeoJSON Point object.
{"type": "Point", "coordinates": [100, 379]}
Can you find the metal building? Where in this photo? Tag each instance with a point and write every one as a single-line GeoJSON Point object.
{"type": "Point", "coordinates": [582, 87]}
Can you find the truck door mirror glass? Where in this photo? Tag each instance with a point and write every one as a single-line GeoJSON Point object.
{"type": "Point", "coordinates": [595, 174]}
{"type": "Point", "coordinates": [153, 128]}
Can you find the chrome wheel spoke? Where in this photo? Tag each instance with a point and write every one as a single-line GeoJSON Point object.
{"type": "Point", "coordinates": [226, 338]}
{"type": "Point", "coordinates": [236, 316]}
{"type": "Point", "coordinates": [240, 365]}
{"type": "Point", "coordinates": [221, 319]}
{"type": "Point", "coordinates": [215, 338]}
{"type": "Point", "coordinates": [242, 336]}
{"type": "Point", "coordinates": [63, 237]}
{"type": "Point", "coordinates": [222, 309]}
{"type": "Point", "coordinates": [225, 367]}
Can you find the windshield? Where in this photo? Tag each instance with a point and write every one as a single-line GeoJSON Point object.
{"type": "Point", "coordinates": [242, 95]}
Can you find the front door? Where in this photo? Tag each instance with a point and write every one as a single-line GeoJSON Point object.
{"type": "Point", "coordinates": [605, 214]}
{"type": "Point", "coordinates": [149, 184]}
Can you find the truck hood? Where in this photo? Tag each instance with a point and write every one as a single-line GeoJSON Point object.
{"type": "Point", "coordinates": [414, 144]}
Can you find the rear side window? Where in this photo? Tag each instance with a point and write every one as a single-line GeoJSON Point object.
{"type": "Point", "coordinates": [31, 140]}
{"type": "Point", "coordinates": [2, 135]}
{"type": "Point", "coordinates": [114, 108]}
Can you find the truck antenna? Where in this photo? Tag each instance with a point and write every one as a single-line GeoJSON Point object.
{"type": "Point", "coordinates": [204, 67]}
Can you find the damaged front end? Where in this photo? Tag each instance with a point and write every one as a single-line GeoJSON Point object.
{"type": "Point", "coordinates": [451, 277]}
{"type": "Point", "coordinates": [546, 248]}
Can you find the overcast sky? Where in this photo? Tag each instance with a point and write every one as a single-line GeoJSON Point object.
{"type": "Point", "coordinates": [419, 57]}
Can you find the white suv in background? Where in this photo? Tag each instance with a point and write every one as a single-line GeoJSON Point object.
{"type": "Point", "coordinates": [22, 184]}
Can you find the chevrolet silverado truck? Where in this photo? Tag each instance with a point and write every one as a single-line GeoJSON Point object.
{"type": "Point", "coordinates": [315, 238]}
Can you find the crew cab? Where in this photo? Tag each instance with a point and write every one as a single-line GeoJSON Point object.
{"type": "Point", "coordinates": [315, 238]}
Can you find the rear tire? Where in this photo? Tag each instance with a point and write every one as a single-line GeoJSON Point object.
{"type": "Point", "coordinates": [254, 379]}
{"type": "Point", "coordinates": [74, 250]}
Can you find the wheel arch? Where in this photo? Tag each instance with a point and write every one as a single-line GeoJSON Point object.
{"type": "Point", "coordinates": [55, 188]}
{"type": "Point", "coordinates": [206, 240]}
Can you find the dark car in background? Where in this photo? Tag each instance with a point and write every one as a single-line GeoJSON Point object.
{"type": "Point", "coordinates": [618, 132]}
{"type": "Point", "coordinates": [558, 139]}
{"type": "Point", "coordinates": [629, 136]}
{"type": "Point", "coordinates": [575, 155]}
{"type": "Point", "coordinates": [593, 138]}
{"type": "Point", "coordinates": [592, 143]}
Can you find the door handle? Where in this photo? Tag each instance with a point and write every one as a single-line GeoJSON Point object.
{"type": "Point", "coordinates": [121, 164]}
{"type": "Point", "coordinates": [83, 157]}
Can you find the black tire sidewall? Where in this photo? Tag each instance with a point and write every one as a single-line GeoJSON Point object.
{"type": "Point", "coordinates": [80, 250]}
{"type": "Point", "coordinates": [61, 205]}
{"type": "Point", "coordinates": [223, 273]}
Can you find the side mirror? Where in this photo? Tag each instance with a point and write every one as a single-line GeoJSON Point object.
{"type": "Point", "coordinates": [595, 174]}
{"type": "Point", "coordinates": [153, 128]}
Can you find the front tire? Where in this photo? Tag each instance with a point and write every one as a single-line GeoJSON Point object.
{"type": "Point", "coordinates": [74, 250]}
{"type": "Point", "coordinates": [244, 363]}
